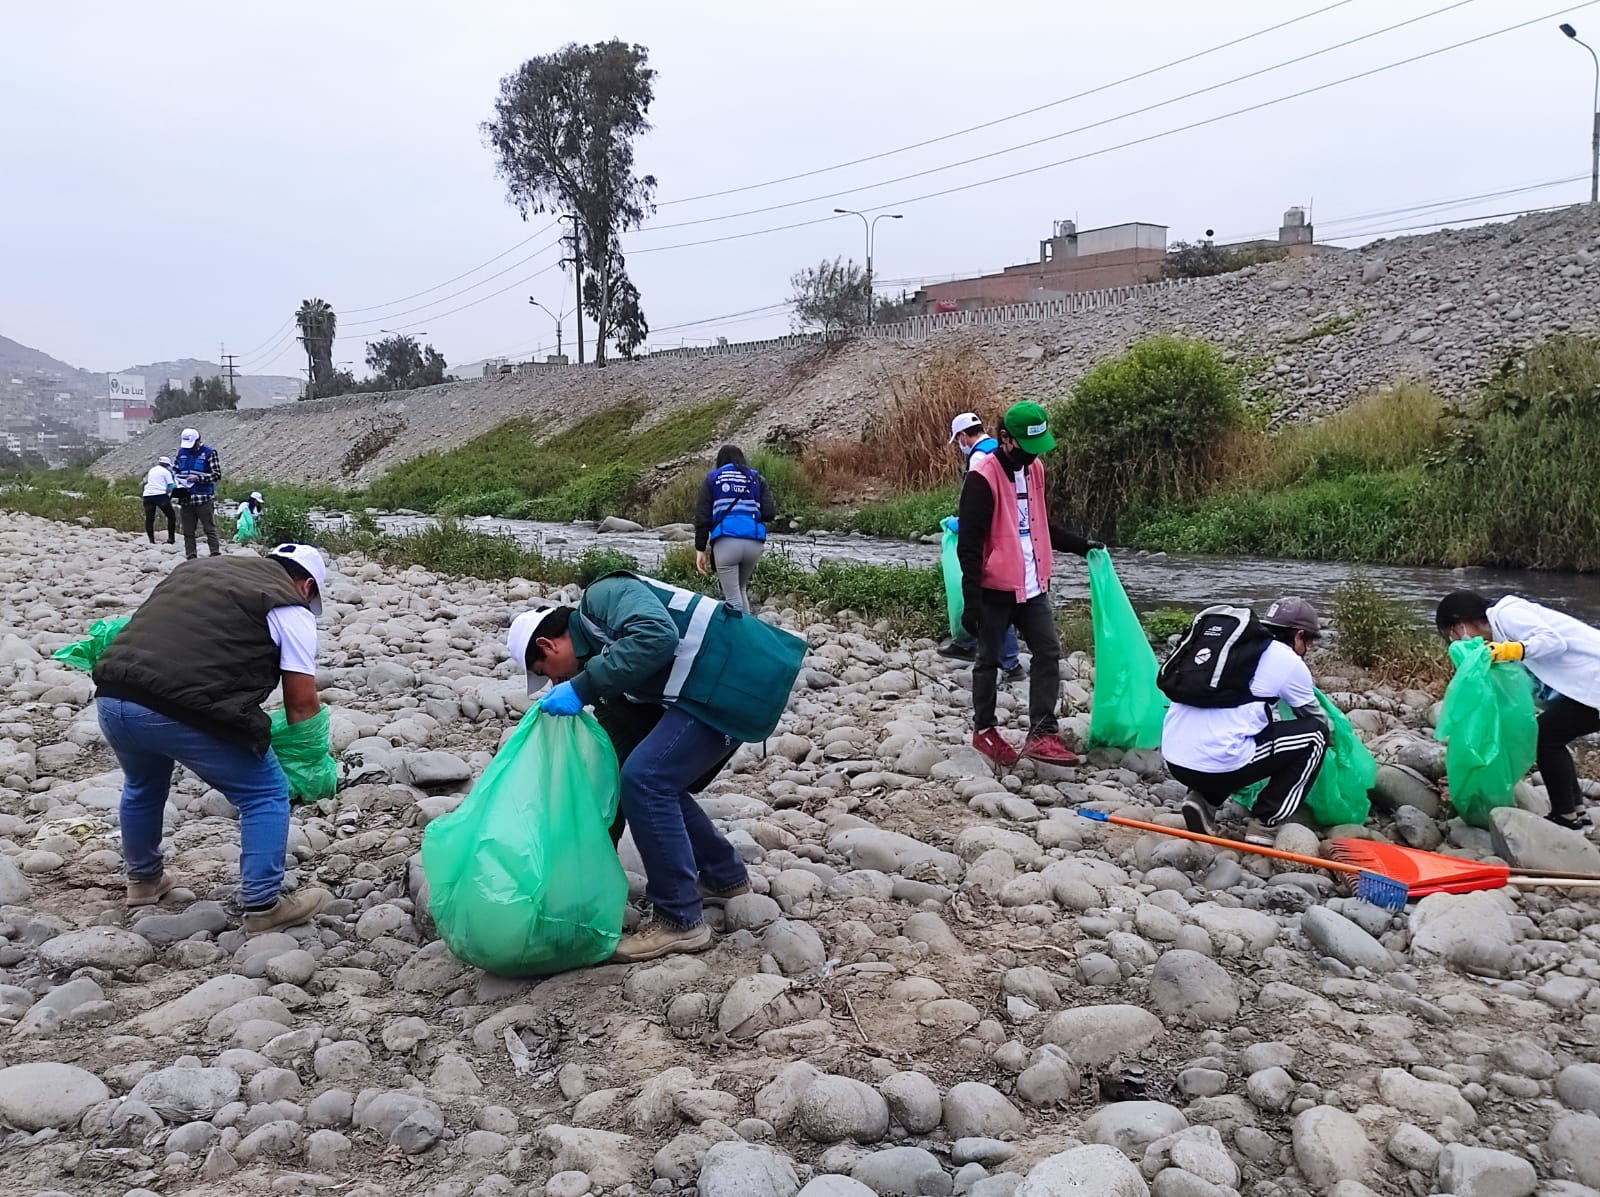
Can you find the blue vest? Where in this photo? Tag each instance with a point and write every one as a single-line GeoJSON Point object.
{"type": "Point", "coordinates": [198, 460]}
{"type": "Point", "coordinates": [987, 445]}
{"type": "Point", "coordinates": [736, 503]}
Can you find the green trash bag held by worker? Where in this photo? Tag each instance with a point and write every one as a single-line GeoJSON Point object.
{"type": "Point", "coordinates": [246, 529]}
{"type": "Point", "coordinates": [523, 877]}
{"type": "Point", "coordinates": [1490, 731]}
{"type": "Point", "coordinates": [952, 577]}
{"type": "Point", "coordinates": [1128, 706]}
{"type": "Point", "coordinates": [1341, 792]}
{"type": "Point", "coordinates": [82, 654]}
{"type": "Point", "coordinates": [303, 751]}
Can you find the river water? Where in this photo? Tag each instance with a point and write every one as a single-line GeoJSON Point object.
{"type": "Point", "coordinates": [1151, 579]}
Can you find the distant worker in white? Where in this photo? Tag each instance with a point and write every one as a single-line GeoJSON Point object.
{"type": "Point", "coordinates": [158, 483]}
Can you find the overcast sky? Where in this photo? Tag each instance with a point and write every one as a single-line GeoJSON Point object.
{"type": "Point", "coordinates": [177, 174]}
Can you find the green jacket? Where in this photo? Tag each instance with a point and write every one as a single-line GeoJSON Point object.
{"type": "Point", "coordinates": [658, 643]}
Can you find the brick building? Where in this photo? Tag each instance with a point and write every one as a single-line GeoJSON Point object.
{"type": "Point", "coordinates": [1073, 260]}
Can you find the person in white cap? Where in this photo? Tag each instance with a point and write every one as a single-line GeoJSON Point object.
{"type": "Point", "coordinates": [158, 484]}
{"type": "Point", "coordinates": [679, 681]}
{"type": "Point", "coordinates": [198, 470]}
{"type": "Point", "coordinates": [183, 683]}
{"type": "Point", "coordinates": [967, 434]}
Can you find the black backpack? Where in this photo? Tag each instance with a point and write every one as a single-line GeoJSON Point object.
{"type": "Point", "coordinates": [1216, 659]}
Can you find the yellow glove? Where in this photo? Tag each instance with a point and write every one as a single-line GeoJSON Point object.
{"type": "Point", "coordinates": [1505, 650]}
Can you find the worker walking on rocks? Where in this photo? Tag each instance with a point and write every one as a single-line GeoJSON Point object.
{"type": "Point", "coordinates": [967, 435]}
{"type": "Point", "coordinates": [1225, 680]}
{"type": "Point", "coordinates": [183, 683]}
{"type": "Point", "coordinates": [730, 524]}
{"type": "Point", "coordinates": [1564, 655]}
{"type": "Point", "coordinates": [158, 483]}
{"type": "Point", "coordinates": [198, 470]}
{"type": "Point", "coordinates": [1006, 544]}
{"type": "Point", "coordinates": [714, 676]}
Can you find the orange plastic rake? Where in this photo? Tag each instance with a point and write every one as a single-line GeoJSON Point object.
{"type": "Point", "coordinates": [1424, 873]}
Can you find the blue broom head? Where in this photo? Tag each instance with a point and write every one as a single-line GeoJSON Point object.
{"type": "Point", "coordinates": [1382, 891]}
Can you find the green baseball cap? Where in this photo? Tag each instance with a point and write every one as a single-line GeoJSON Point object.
{"type": "Point", "coordinates": [1029, 426]}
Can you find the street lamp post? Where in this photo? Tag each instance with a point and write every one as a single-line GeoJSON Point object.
{"type": "Point", "coordinates": [552, 316]}
{"type": "Point", "coordinates": [1594, 144]}
{"type": "Point", "coordinates": [870, 225]}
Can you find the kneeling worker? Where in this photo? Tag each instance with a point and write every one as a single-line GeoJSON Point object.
{"type": "Point", "coordinates": [1225, 680]}
{"type": "Point", "coordinates": [1564, 655]}
{"type": "Point", "coordinates": [183, 683]}
{"type": "Point", "coordinates": [716, 677]}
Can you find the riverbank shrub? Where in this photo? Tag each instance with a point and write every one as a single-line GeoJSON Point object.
{"type": "Point", "coordinates": [908, 517]}
{"type": "Point", "coordinates": [1520, 471]}
{"type": "Point", "coordinates": [1162, 423]}
{"type": "Point", "coordinates": [1380, 634]}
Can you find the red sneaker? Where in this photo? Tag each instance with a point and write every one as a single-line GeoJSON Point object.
{"type": "Point", "coordinates": [1050, 750]}
{"type": "Point", "coordinates": [993, 745]}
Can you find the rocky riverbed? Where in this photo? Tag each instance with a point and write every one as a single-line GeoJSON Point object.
{"type": "Point", "coordinates": [945, 982]}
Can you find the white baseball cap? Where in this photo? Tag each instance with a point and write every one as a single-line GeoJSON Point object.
{"type": "Point", "coordinates": [310, 560]}
{"type": "Point", "coordinates": [166, 461]}
{"type": "Point", "coordinates": [256, 495]}
{"type": "Point", "coordinates": [524, 629]}
{"type": "Point", "coordinates": [190, 438]}
{"type": "Point", "coordinates": [965, 422]}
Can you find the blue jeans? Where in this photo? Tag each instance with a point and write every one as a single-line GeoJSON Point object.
{"type": "Point", "coordinates": [147, 743]}
{"type": "Point", "coordinates": [676, 839]}
{"type": "Point", "coordinates": [1008, 650]}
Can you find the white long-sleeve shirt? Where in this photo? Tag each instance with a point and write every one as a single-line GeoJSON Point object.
{"type": "Point", "coordinates": [158, 481]}
{"type": "Point", "coordinates": [1560, 651]}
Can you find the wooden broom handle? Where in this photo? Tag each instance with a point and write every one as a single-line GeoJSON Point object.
{"type": "Point", "coordinates": [1316, 862]}
{"type": "Point", "coordinates": [1553, 882]}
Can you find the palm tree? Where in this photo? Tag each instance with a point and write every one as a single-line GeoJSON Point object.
{"type": "Point", "coordinates": [318, 324]}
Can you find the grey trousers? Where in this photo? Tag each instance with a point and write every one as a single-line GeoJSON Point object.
{"type": "Point", "coordinates": [735, 559]}
{"type": "Point", "coordinates": [203, 513]}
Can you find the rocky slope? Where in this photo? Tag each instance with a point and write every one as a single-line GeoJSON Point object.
{"type": "Point", "coordinates": [941, 984]}
{"type": "Point", "coordinates": [1311, 335]}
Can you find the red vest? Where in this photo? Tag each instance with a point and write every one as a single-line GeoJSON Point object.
{"type": "Point", "coordinates": [1002, 551]}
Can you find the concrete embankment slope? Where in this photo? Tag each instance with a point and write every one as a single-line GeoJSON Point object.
{"type": "Point", "coordinates": [1310, 336]}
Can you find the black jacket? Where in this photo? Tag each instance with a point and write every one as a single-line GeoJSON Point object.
{"type": "Point", "coordinates": [976, 515]}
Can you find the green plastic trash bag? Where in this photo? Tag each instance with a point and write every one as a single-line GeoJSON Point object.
{"type": "Point", "coordinates": [1348, 773]}
{"type": "Point", "coordinates": [523, 877]}
{"type": "Point", "coordinates": [246, 529]}
{"type": "Point", "coordinates": [1489, 728]}
{"type": "Point", "coordinates": [1128, 706]}
{"type": "Point", "coordinates": [82, 654]}
{"type": "Point", "coordinates": [952, 578]}
{"type": "Point", "coordinates": [302, 750]}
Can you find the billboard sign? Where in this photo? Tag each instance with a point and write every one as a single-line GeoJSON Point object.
{"type": "Point", "coordinates": [128, 389]}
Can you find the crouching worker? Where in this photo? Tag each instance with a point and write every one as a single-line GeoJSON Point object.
{"type": "Point", "coordinates": [183, 683]}
{"type": "Point", "coordinates": [1225, 680]}
{"type": "Point", "coordinates": [1564, 655]}
{"type": "Point", "coordinates": [679, 680]}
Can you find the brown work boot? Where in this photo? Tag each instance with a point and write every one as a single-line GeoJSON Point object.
{"type": "Point", "coordinates": [657, 939]}
{"type": "Point", "coordinates": [290, 910]}
{"type": "Point", "coordinates": [149, 892]}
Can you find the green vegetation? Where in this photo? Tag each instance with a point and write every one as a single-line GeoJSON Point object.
{"type": "Point", "coordinates": [1397, 478]}
{"type": "Point", "coordinates": [72, 495]}
{"type": "Point", "coordinates": [594, 468]}
{"type": "Point", "coordinates": [1156, 425]}
{"type": "Point", "coordinates": [908, 517]}
{"type": "Point", "coordinates": [1382, 636]}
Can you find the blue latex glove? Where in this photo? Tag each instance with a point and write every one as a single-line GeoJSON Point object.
{"type": "Point", "coordinates": [951, 523]}
{"type": "Point", "coordinates": [562, 700]}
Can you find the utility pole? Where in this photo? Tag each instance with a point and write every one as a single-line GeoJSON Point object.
{"type": "Point", "coordinates": [870, 226]}
{"type": "Point", "coordinates": [1594, 140]}
{"type": "Point", "coordinates": [229, 369]}
{"type": "Point", "coordinates": [577, 270]}
{"type": "Point", "coordinates": [552, 316]}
